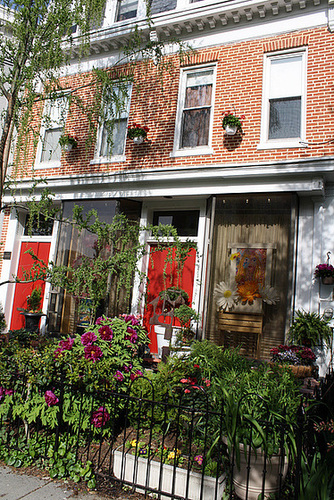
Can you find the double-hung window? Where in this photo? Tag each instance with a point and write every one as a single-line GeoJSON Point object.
{"type": "Point", "coordinates": [126, 9]}
{"type": "Point", "coordinates": [283, 113]}
{"type": "Point", "coordinates": [195, 111]}
{"type": "Point", "coordinates": [53, 123]}
{"type": "Point", "coordinates": [112, 133]}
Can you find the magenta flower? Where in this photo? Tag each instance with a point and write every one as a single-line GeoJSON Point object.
{"type": "Point", "coordinates": [135, 375]}
{"type": "Point", "coordinates": [99, 320]}
{"type": "Point", "coordinates": [119, 376]}
{"type": "Point", "coordinates": [50, 398]}
{"type": "Point", "coordinates": [93, 352]}
{"type": "Point", "coordinates": [199, 459]}
{"type": "Point", "coordinates": [106, 332]}
{"type": "Point", "coordinates": [64, 345]}
{"type": "Point", "coordinates": [88, 338]}
{"type": "Point", "coordinates": [9, 392]}
{"type": "Point", "coordinates": [127, 368]}
{"type": "Point", "coordinates": [130, 317]}
{"type": "Point", "coordinates": [100, 417]}
{"type": "Point", "coordinates": [2, 392]}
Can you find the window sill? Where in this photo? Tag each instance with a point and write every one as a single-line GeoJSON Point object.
{"type": "Point", "coordinates": [108, 159]}
{"type": "Point", "coordinates": [296, 143]}
{"type": "Point", "coordinates": [47, 165]}
{"type": "Point", "coordinates": [192, 152]}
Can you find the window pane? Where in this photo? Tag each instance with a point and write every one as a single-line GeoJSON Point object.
{"type": "Point", "coordinates": [195, 128]}
{"type": "Point", "coordinates": [285, 118]}
{"type": "Point", "coordinates": [186, 222]}
{"type": "Point", "coordinates": [118, 139]}
{"type": "Point", "coordinates": [198, 96]}
{"type": "Point", "coordinates": [162, 6]}
{"type": "Point", "coordinates": [51, 149]}
{"type": "Point", "coordinates": [286, 77]}
{"type": "Point", "coordinates": [126, 9]}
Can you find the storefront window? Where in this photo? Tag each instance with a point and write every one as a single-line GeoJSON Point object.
{"type": "Point", "coordinates": [250, 272]}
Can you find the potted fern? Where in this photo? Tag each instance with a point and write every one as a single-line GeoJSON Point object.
{"type": "Point", "coordinates": [310, 329]}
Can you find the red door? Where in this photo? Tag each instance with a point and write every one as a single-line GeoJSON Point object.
{"type": "Point", "coordinates": [22, 290]}
{"type": "Point", "coordinates": [156, 285]}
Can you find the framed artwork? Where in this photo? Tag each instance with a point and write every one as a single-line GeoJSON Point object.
{"type": "Point", "coordinates": [250, 272]}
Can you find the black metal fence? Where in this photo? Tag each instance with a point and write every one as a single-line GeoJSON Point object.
{"type": "Point", "coordinates": [177, 447]}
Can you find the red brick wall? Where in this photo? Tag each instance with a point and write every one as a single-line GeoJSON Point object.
{"type": "Point", "coordinates": [239, 85]}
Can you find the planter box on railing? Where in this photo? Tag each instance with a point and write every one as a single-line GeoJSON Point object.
{"type": "Point", "coordinates": [139, 472]}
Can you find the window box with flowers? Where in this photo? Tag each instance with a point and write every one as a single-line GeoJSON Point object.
{"type": "Point", "coordinates": [300, 359]}
{"type": "Point", "coordinates": [137, 133]}
{"type": "Point", "coordinates": [232, 123]}
{"type": "Point", "coordinates": [68, 142]}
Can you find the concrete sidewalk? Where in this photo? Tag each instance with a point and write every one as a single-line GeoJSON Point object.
{"type": "Point", "coordinates": [17, 486]}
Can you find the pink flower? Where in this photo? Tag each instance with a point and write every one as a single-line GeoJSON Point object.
{"type": "Point", "coordinates": [135, 375]}
{"type": "Point", "coordinates": [88, 338]}
{"type": "Point", "coordinates": [9, 392]}
{"type": "Point", "coordinates": [64, 345]}
{"type": "Point", "coordinates": [119, 376]}
{"type": "Point", "coordinates": [130, 317]}
{"type": "Point", "coordinates": [199, 459]}
{"type": "Point", "coordinates": [93, 352]}
{"type": "Point", "coordinates": [100, 417]}
{"type": "Point", "coordinates": [184, 381]}
{"type": "Point", "coordinates": [50, 398]}
{"type": "Point", "coordinates": [99, 320]}
{"type": "Point", "coordinates": [207, 382]}
{"type": "Point", "coordinates": [186, 391]}
{"type": "Point", "coordinates": [127, 368]}
{"type": "Point", "coordinates": [106, 332]}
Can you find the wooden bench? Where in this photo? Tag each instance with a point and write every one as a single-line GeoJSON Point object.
{"type": "Point", "coordinates": [241, 329]}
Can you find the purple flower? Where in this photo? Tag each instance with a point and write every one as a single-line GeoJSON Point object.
{"type": "Point", "coordinates": [119, 376]}
{"type": "Point", "coordinates": [199, 459]}
{"type": "Point", "coordinates": [106, 332]}
{"type": "Point", "coordinates": [9, 392]}
{"type": "Point", "coordinates": [100, 417]}
{"type": "Point", "coordinates": [64, 345]}
{"type": "Point", "coordinates": [2, 392]}
{"type": "Point", "coordinates": [130, 317]}
{"type": "Point", "coordinates": [88, 338]}
{"type": "Point", "coordinates": [50, 398]}
{"type": "Point", "coordinates": [93, 352]}
{"type": "Point", "coordinates": [99, 320]}
{"type": "Point", "coordinates": [127, 368]}
{"type": "Point", "coordinates": [135, 375]}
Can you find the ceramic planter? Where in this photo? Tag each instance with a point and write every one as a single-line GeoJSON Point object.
{"type": "Point", "coordinates": [32, 321]}
{"type": "Point", "coordinates": [139, 139]}
{"type": "Point", "coordinates": [231, 129]}
{"type": "Point", "coordinates": [140, 472]}
{"type": "Point", "coordinates": [255, 480]}
{"type": "Point", "coordinates": [327, 280]}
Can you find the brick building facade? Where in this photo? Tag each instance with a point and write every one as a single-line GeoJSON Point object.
{"type": "Point", "coordinates": [264, 195]}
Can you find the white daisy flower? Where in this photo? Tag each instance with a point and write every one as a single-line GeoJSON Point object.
{"type": "Point", "coordinates": [225, 296]}
{"type": "Point", "coordinates": [269, 295]}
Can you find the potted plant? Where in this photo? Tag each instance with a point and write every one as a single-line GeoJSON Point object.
{"type": "Point", "coordinates": [185, 314]}
{"type": "Point", "coordinates": [232, 123]}
{"type": "Point", "coordinates": [33, 313]}
{"type": "Point", "coordinates": [137, 133]}
{"type": "Point", "coordinates": [68, 142]}
{"type": "Point", "coordinates": [300, 359]}
{"type": "Point", "coordinates": [325, 272]}
{"type": "Point", "coordinates": [310, 329]}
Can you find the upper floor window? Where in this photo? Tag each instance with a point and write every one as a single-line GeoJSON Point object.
{"type": "Point", "coordinates": [111, 135]}
{"type": "Point", "coordinates": [195, 110]}
{"type": "Point", "coordinates": [158, 6]}
{"type": "Point", "coordinates": [283, 118]}
{"type": "Point", "coordinates": [126, 9]}
{"type": "Point", "coordinates": [53, 122]}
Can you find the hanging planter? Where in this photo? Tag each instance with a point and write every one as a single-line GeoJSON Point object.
{"type": "Point", "coordinates": [325, 272]}
{"type": "Point", "coordinates": [137, 133]}
{"type": "Point", "coordinates": [68, 142]}
{"type": "Point", "coordinates": [232, 123]}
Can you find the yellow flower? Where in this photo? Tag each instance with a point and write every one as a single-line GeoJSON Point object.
{"type": "Point", "coordinates": [133, 443]}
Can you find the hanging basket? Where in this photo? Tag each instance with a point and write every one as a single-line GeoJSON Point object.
{"type": "Point", "coordinates": [139, 139]}
{"type": "Point", "coordinates": [231, 129]}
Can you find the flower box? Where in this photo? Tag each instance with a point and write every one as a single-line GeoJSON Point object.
{"type": "Point", "coordinates": [140, 472]}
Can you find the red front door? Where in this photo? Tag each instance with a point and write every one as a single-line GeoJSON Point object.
{"type": "Point", "coordinates": [156, 284]}
{"type": "Point", "coordinates": [22, 290]}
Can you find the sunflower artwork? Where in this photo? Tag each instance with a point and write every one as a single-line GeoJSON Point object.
{"type": "Point", "coordinates": [248, 284]}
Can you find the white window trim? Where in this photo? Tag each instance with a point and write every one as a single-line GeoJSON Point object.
{"type": "Point", "coordinates": [198, 150]}
{"type": "Point", "coordinates": [97, 160]}
{"type": "Point", "coordinates": [47, 164]}
{"type": "Point", "coordinates": [266, 143]}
